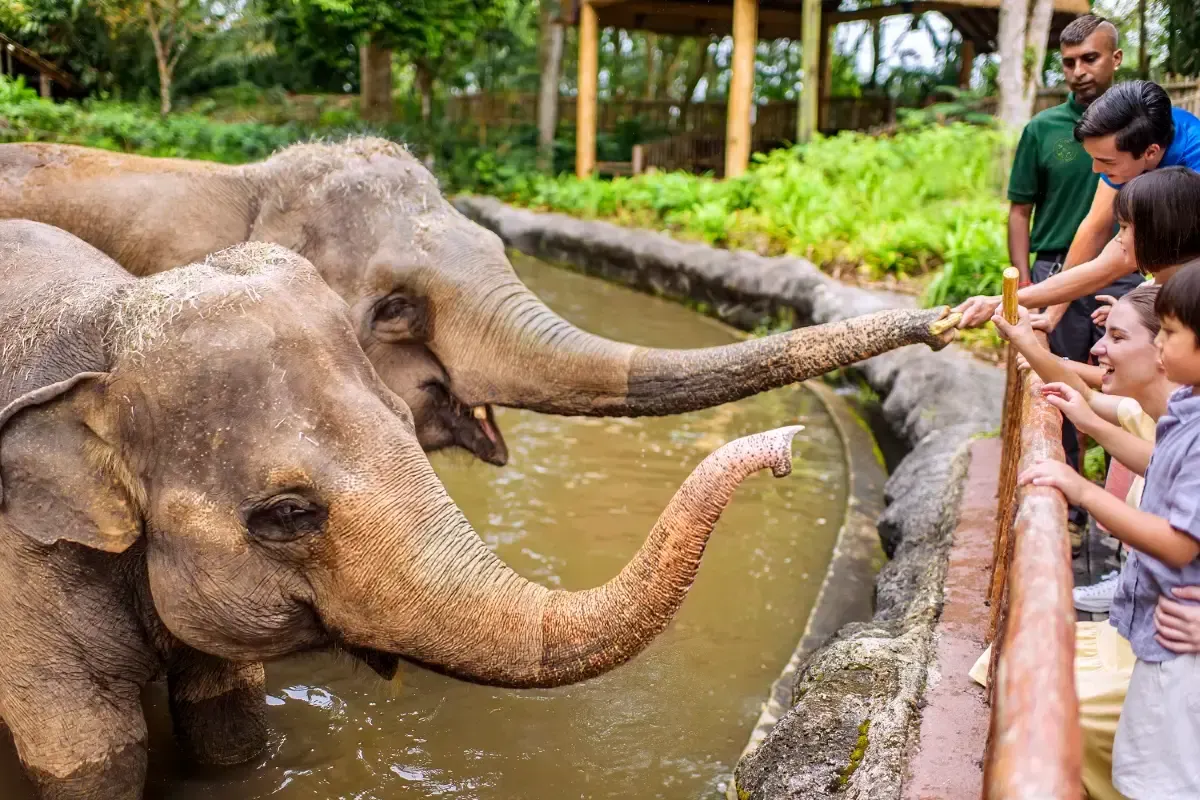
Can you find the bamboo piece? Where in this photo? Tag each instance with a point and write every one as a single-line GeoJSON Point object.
{"type": "Point", "coordinates": [585, 107]}
{"type": "Point", "coordinates": [741, 87]}
{"type": "Point", "coordinates": [1014, 392]}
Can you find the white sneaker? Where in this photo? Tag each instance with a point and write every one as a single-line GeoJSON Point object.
{"type": "Point", "coordinates": [1098, 597]}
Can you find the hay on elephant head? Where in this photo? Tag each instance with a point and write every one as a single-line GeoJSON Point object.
{"type": "Point", "coordinates": [142, 311]}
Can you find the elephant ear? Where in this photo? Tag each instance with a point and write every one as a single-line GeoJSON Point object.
{"type": "Point", "coordinates": [59, 480]}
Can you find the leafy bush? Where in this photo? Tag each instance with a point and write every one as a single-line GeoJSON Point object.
{"type": "Point", "coordinates": [922, 201]}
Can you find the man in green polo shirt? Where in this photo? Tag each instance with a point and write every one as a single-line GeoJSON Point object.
{"type": "Point", "coordinates": [1052, 182]}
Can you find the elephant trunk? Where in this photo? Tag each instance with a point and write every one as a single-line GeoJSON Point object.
{"type": "Point", "coordinates": [467, 614]}
{"type": "Point", "coordinates": [535, 359]}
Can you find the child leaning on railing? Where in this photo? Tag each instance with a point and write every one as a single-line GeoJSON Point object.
{"type": "Point", "coordinates": [1156, 753]}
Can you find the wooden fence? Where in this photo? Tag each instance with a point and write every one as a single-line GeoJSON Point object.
{"type": "Point", "coordinates": [692, 135]}
{"type": "Point", "coordinates": [1034, 744]}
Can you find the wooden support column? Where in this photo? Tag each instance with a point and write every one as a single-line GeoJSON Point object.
{"type": "Point", "coordinates": [741, 87]}
{"type": "Point", "coordinates": [44, 85]}
{"type": "Point", "coordinates": [810, 29]}
{"type": "Point", "coordinates": [825, 86]}
{"type": "Point", "coordinates": [966, 57]}
{"type": "Point", "coordinates": [585, 106]}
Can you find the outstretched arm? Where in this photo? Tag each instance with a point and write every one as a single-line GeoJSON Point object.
{"type": "Point", "coordinates": [1094, 261]}
{"type": "Point", "coordinates": [1147, 533]}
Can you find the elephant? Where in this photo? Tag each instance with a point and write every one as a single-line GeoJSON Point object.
{"type": "Point", "coordinates": [437, 306]}
{"type": "Point", "coordinates": [201, 471]}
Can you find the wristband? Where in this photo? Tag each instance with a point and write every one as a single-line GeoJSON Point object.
{"type": "Point", "coordinates": [1023, 284]}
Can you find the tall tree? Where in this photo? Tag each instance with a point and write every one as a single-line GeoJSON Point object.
{"type": "Point", "coordinates": [172, 26]}
{"type": "Point", "coordinates": [425, 33]}
{"type": "Point", "coordinates": [1024, 31]}
{"type": "Point", "coordinates": [550, 45]}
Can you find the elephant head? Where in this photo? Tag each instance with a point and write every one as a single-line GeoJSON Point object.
{"type": "Point", "coordinates": [240, 436]}
{"type": "Point", "coordinates": [417, 274]}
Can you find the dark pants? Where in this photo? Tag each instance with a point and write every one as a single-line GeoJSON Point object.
{"type": "Point", "coordinates": [1074, 337]}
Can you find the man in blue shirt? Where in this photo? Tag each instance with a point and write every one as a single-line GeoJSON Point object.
{"type": "Point", "coordinates": [1130, 129]}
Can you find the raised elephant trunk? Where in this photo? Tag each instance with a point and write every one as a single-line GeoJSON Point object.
{"type": "Point", "coordinates": [564, 370]}
{"type": "Point", "coordinates": [474, 618]}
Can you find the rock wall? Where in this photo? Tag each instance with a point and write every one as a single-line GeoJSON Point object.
{"type": "Point", "coordinates": [856, 700]}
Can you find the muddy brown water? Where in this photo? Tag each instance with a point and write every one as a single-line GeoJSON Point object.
{"type": "Point", "coordinates": [576, 501]}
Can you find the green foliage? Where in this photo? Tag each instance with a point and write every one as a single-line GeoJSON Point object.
{"type": "Point", "coordinates": [15, 91]}
{"type": "Point", "coordinates": [906, 205]}
{"type": "Point", "coordinates": [1093, 464]}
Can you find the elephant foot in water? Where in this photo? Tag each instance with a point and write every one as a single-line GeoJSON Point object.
{"type": "Point", "coordinates": [218, 709]}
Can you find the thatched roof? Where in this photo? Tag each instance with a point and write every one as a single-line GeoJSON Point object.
{"type": "Point", "coordinates": [977, 20]}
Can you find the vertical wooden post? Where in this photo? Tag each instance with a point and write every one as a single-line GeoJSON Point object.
{"type": "Point", "coordinates": [44, 85]}
{"type": "Point", "coordinates": [585, 106]}
{"type": "Point", "coordinates": [810, 30]}
{"type": "Point", "coordinates": [825, 85]}
{"type": "Point", "coordinates": [639, 159]}
{"type": "Point", "coordinates": [741, 87]}
{"type": "Point", "coordinates": [966, 57]}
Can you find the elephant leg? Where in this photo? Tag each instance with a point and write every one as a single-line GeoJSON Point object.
{"type": "Point", "coordinates": [218, 708]}
{"type": "Point", "coordinates": [80, 741]}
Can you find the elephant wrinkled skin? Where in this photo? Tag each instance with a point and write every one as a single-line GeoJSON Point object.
{"type": "Point", "coordinates": [201, 471]}
{"type": "Point", "coordinates": [436, 304]}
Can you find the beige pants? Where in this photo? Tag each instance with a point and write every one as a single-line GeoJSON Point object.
{"type": "Point", "coordinates": [1156, 755]}
{"type": "Point", "coordinates": [1103, 665]}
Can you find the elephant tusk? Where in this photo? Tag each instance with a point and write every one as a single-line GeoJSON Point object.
{"type": "Point", "coordinates": [479, 412]}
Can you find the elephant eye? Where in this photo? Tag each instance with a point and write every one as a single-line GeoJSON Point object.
{"type": "Point", "coordinates": [285, 519]}
{"type": "Point", "coordinates": [392, 307]}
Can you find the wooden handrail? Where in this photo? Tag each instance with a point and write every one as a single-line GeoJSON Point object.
{"type": "Point", "coordinates": [1034, 743]}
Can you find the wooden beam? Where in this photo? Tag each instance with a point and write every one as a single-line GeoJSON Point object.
{"type": "Point", "coordinates": [741, 87]}
{"type": "Point", "coordinates": [966, 57]}
{"type": "Point", "coordinates": [585, 107]}
{"type": "Point", "coordinates": [32, 59]}
{"type": "Point", "coordinates": [806, 121]}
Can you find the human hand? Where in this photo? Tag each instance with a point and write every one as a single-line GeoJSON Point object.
{"type": "Point", "coordinates": [1178, 625]}
{"type": "Point", "coordinates": [1073, 405]}
{"type": "Point", "coordinates": [1057, 475]}
{"type": "Point", "coordinates": [1020, 333]}
{"type": "Point", "coordinates": [976, 311]}
{"type": "Point", "coordinates": [1022, 363]}
{"type": "Point", "coordinates": [1100, 315]}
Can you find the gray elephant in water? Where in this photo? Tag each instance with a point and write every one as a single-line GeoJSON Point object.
{"type": "Point", "coordinates": [435, 303]}
{"type": "Point", "coordinates": [201, 471]}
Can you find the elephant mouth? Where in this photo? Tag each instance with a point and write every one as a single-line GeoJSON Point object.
{"type": "Point", "coordinates": [385, 665]}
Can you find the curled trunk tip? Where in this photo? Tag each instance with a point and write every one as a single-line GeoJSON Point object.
{"type": "Point", "coordinates": [775, 446]}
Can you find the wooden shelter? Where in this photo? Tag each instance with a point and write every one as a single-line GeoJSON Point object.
{"type": "Point", "coordinates": [16, 59]}
{"type": "Point", "coordinates": [813, 21]}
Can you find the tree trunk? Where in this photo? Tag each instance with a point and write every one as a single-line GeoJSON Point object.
{"type": "Point", "coordinates": [651, 77]}
{"type": "Point", "coordinates": [551, 71]}
{"type": "Point", "coordinates": [876, 44]}
{"type": "Point", "coordinates": [698, 68]}
{"type": "Point", "coordinates": [1143, 51]}
{"type": "Point", "coordinates": [1024, 31]}
{"type": "Point", "coordinates": [375, 74]}
{"type": "Point", "coordinates": [666, 72]}
{"type": "Point", "coordinates": [424, 75]}
{"type": "Point", "coordinates": [161, 60]}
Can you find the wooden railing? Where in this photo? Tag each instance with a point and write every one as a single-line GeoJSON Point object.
{"type": "Point", "coordinates": [1034, 742]}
